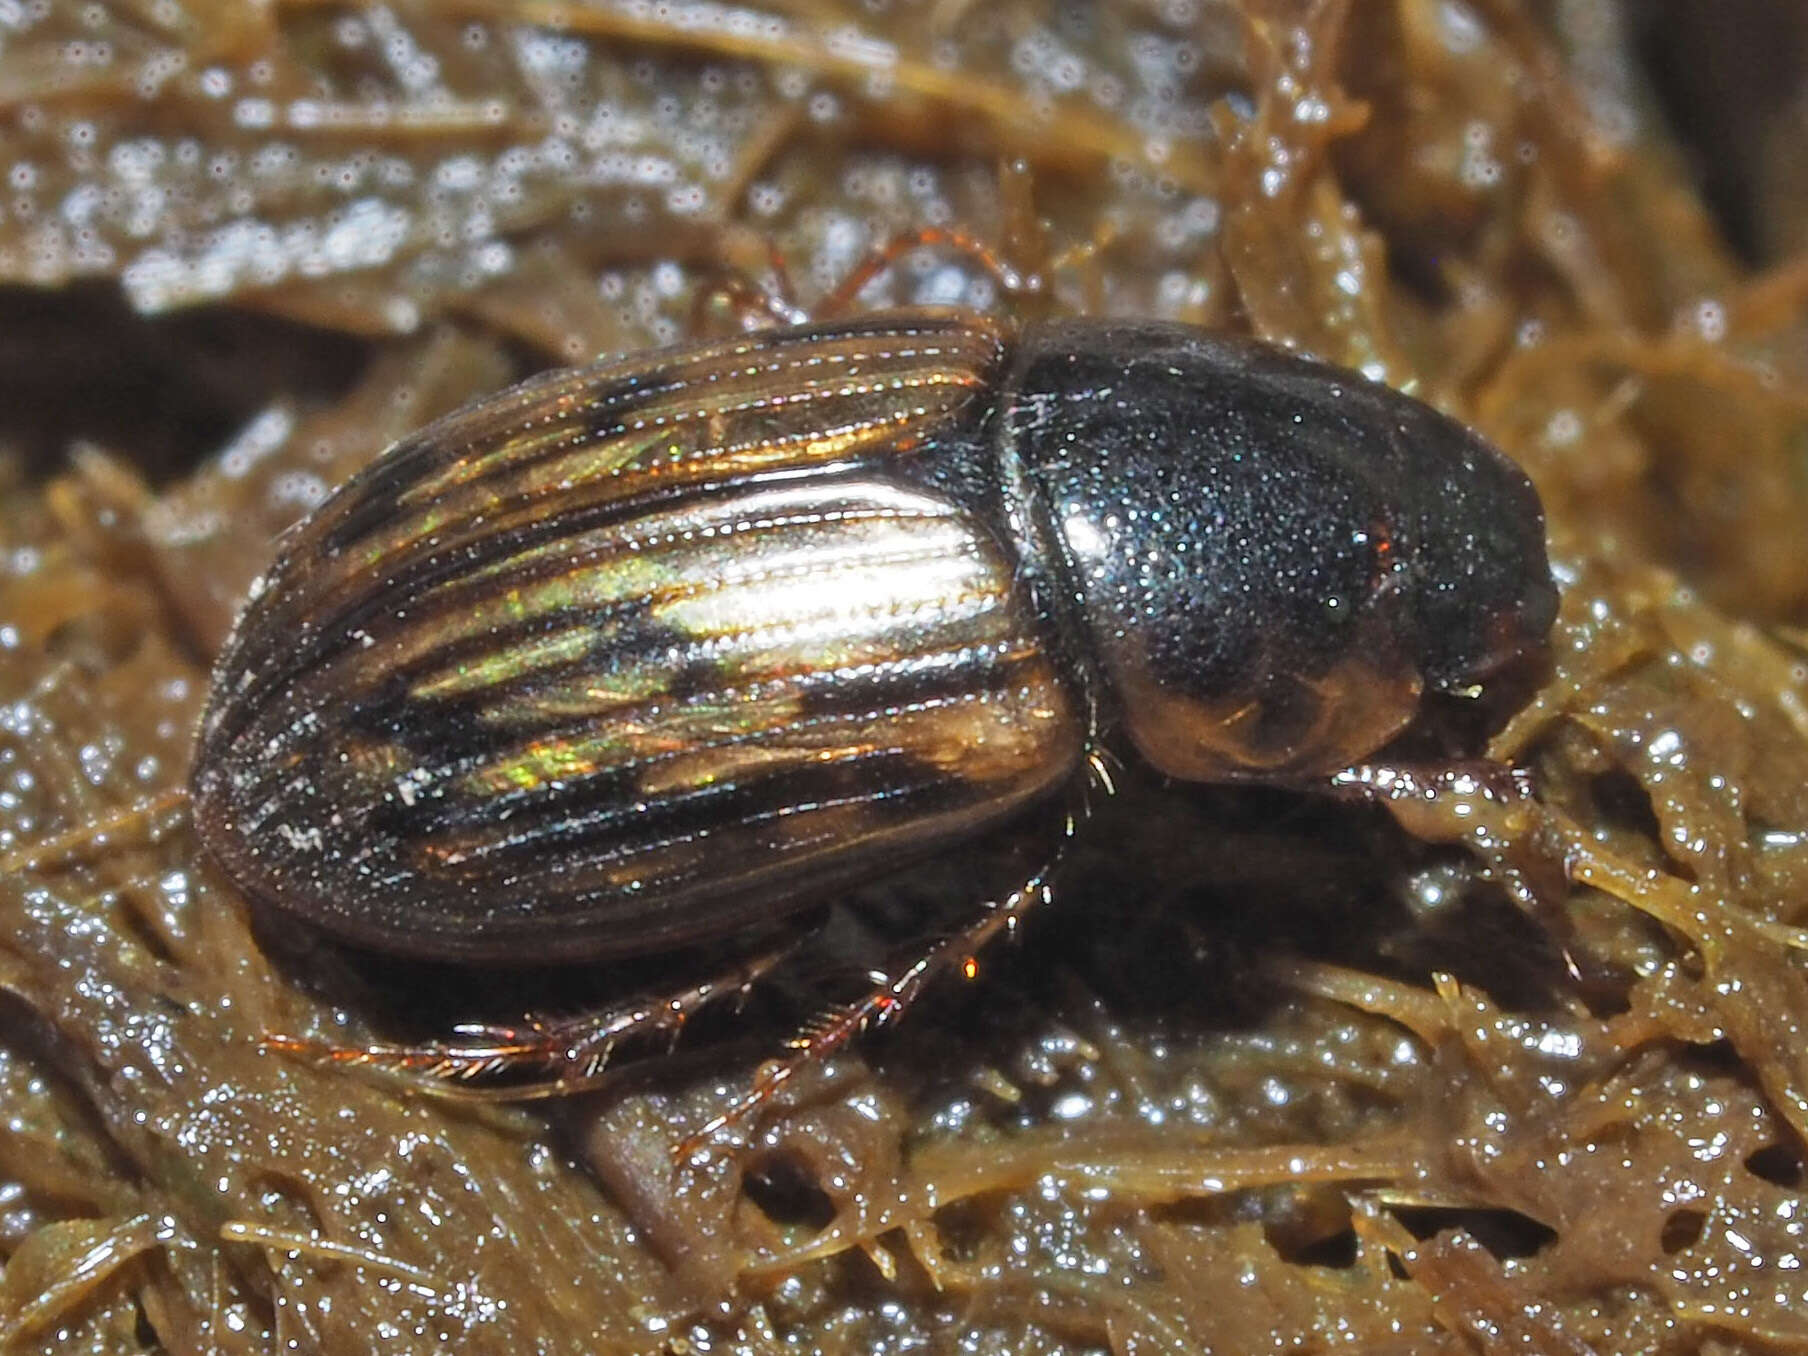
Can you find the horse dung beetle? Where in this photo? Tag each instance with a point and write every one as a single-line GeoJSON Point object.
{"type": "Point", "coordinates": [627, 658]}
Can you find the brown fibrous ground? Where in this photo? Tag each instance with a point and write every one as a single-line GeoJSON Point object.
{"type": "Point", "coordinates": [1477, 1075]}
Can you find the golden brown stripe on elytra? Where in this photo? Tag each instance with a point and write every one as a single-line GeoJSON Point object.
{"type": "Point", "coordinates": [368, 604]}
{"type": "Point", "coordinates": [703, 537]}
{"type": "Point", "coordinates": [605, 403]}
{"type": "Point", "coordinates": [629, 385]}
{"type": "Point", "coordinates": [639, 709]}
{"type": "Point", "coordinates": [767, 371]}
{"type": "Point", "coordinates": [777, 719]}
{"type": "Point", "coordinates": [599, 669]}
{"type": "Point", "coordinates": [488, 441]}
{"type": "Point", "coordinates": [643, 664]}
{"type": "Point", "coordinates": [959, 734]}
{"type": "Point", "coordinates": [384, 481]}
{"type": "Point", "coordinates": [623, 463]}
{"type": "Point", "coordinates": [644, 714]}
{"type": "Point", "coordinates": [450, 637]}
{"type": "Point", "coordinates": [593, 827]}
{"type": "Point", "coordinates": [702, 541]}
{"type": "Point", "coordinates": [585, 835]}
{"type": "Point", "coordinates": [449, 441]}
{"type": "Point", "coordinates": [820, 810]}
{"type": "Point", "coordinates": [442, 540]}
{"type": "Point", "coordinates": [951, 797]}
{"type": "Point", "coordinates": [494, 656]}
{"type": "Point", "coordinates": [764, 708]}
{"type": "Point", "coordinates": [668, 530]}
{"type": "Point", "coordinates": [717, 514]}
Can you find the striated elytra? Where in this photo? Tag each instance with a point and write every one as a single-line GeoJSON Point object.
{"type": "Point", "coordinates": [625, 658]}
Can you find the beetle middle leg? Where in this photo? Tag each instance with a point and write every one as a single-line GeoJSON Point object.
{"type": "Point", "coordinates": [760, 302]}
{"type": "Point", "coordinates": [754, 296]}
{"type": "Point", "coordinates": [1021, 263]}
{"type": "Point", "coordinates": [754, 285]}
{"type": "Point", "coordinates": [1491, 810]}
{"type": "Point", "coordinates": [1009, 278]}
{"type": "Point", "coordinates": [556, 1056]}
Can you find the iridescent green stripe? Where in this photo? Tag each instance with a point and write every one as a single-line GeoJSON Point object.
{"type": "Point", "coordinates": [787, 742]}
{"type": "Point", "coordinates": [559, 600]}
{"type": "Point", "coordinates": [553, 452]}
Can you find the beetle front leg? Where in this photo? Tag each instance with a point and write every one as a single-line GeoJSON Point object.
{"type": "Point", "coordinates": [1487, 806]}
{"type": "Point", "coordinates": [567, 1054]}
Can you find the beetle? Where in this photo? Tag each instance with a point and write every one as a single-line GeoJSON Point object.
{"type": "Point", "coordinates": [631, 657]}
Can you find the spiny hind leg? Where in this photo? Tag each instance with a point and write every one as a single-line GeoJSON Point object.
{"type": "Point", "coordinates": [892, 995]}
{"type": "Point", "coordinates": [888, 999]}
{"type": "Point", "coordinates": [540, 1056]}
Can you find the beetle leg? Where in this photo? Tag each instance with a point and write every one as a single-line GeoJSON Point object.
{"type": "Point", "coordinates": [1488, 807]}
{"type": "Point", "coordinates": [754, 305]}
{"type": "Point", "coordinates": [1019, 266]}
{"type": "Point", "coordinates": [564, 1055]}
{"type": "Point", "coordinates": [1008, 278]}
{"type": "Point", "coordinates": [888, 999]}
